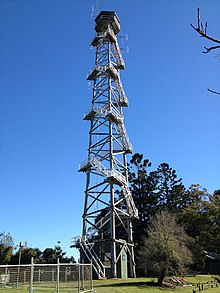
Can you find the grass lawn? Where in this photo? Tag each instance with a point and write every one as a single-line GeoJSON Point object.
{"type": "Point", "coordinates": [146, 285]}
{"type": "Point", "coordinates": [139, 285]}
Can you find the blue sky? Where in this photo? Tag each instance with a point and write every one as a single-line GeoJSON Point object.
{"type": "Point", "coordinates": [45, 57]}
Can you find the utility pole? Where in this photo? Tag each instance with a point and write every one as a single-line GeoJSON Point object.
{"type": "Point", "coordinates": [21, 245]}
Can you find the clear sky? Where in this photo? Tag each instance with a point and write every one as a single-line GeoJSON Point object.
{"type": "Point", "coordinates": [44, 59]}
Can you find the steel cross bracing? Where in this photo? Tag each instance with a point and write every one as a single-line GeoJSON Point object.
{"type": "Point", "coordinates": [109, 207]}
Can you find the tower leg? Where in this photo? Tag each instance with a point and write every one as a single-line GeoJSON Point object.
{"type": "Point", "coordinates": [131, 252]}
{"type": "Point", "coordinates": [113, 243]}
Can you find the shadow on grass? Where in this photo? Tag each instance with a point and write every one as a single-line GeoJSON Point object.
{"type": "Point", "coordinates": [129, 284]}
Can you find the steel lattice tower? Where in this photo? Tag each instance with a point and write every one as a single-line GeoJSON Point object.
{"type": "Point", "coordinates": [109, 208]}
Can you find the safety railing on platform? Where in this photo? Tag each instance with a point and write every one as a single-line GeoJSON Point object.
{"type": "Point", "coordinates": [105, 111]}
{"type": "Point", "coordinates": [99, 69]}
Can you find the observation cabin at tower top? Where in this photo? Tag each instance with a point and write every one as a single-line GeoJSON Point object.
{"type": "Point", "coordinates": [104, 18]}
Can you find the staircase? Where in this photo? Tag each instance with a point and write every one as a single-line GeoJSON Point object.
{"type": "Point", "coordinates": [122, 97]}
{"type": "Point", "coordinates": [91, 255]}
{"type": "Point", "coordinates": [132, 210]}
{"type": "Point", "coordinates": [125, 139]}
{"type": "Point", "coordinates": [118, 56]}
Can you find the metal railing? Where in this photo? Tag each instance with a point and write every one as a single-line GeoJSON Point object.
{"type": "Point", "coordinates": [125, 139]}
{"type": "Point", "coordinates": [132, 210]}
{"type": "Point", "coordinates": [91, 255]}
{"type": "Point", "coordinates": [104, 111]}
{"type": "Point", "coordinates": [93, 162]}
{"type": "Point", "coordinates": [97, 69]}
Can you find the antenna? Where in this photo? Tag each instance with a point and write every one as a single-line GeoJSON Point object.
{"type": "Point", "coordinates": [94, 10]}
{"type": "Point", "coordinates": [127, 46]}
{"type": "Point", "coordinates": [97, 6]}
{"type": "Point", "coordinates": [124, 47]}
{"type": "Point", "coordinates": [92, 13]}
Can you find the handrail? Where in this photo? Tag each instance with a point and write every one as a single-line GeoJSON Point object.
{"type": "Point", "coordinates": [116, 113]}
{"type": "Point", "coordinates": [122, 96]}
{"type": "Point", "coordinates": [125, 139]}
{"type": "Point", "coordinates": [105, 111]}
{"type": "Point", "coordinates": [98, 68]}
{"type": "Point", "coordinates": [118, 175]}
{"type": "Point", "coordinates": [100, 110]}
{"type": "Point", "coordinates": [104, 35]}
{"type": "Point", "coordinates": [105, 68]}
{"type": "Point", "coordinates": [99, 266]}
{"type": "Point", "coordinates": [118, 55]}
{"type": "Point", "coordinates": [113, 69]}
{"type": "Point", "coordinates": [102, 169]}
{"type": "Point", "coordinates": [132, 210]}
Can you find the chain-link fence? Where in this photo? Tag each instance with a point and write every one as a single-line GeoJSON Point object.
{"type": "Point", "coordinates": [51, 278]}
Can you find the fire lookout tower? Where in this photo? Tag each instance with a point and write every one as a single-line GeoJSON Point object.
{"type": "Point", "coordinates": [106, 239]}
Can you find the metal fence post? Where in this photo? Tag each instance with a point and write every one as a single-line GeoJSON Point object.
{"type": "Point", "coordinates": [58, 274]}
{"type": "Point", "coordinates": [32, 275]}
{"type": "Point", "coordinates": [82, 276]}
{"type": "Point", "coordinates": [91, 279]}
{"type": "Point", "coordinates": [78, 277]}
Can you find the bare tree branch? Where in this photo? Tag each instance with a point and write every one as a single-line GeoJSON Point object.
{"type": "Point", "coordinates": [198, 18]}
{"type": "Point", "coordinates": [203, 33]}
{"type": "Point", "coordinates": [214, 92]}
{"type": "Point", "coordinates": [211, 48]}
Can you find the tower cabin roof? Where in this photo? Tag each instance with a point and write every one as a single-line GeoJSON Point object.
{"type": "Point", "coordinates": [107, 17]}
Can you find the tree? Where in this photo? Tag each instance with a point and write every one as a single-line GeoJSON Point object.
{"type": "Point", "coordinates": [59, 253]}
{"type": "Point", "coordinates": [6, 247]}
{"type": "Point", "coordinates": [200, 218]}
{"type": "Point", "coordinates": [142, 185]}
{"type": "Point", "coordinates": [212, 212]}
{"type": "Point", "coordinates": [50, 255]}
{"type": "Point", "coordinates": [170, 190]}
{"type": "Point", "coordinates": [152, 191]}
{"type": "Point", "coordinates": [155, 190]}
{"type": "Point", "coordinates": [191, 215]}
{"type": "Point", "coordinates": [26, 255]}
{"type": "Point", "coordinates": [165, 249]}
{"type": "Point", "coordinates": [202, 30]}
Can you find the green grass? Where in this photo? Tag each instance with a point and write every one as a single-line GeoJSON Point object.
{"type": "Point", "coordinates": [139, 285]}
{"type": "Point", "coordinates": [146, 285]}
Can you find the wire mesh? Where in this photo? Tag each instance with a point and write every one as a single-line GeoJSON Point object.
{"type": "Point", "coordinates": [48, 278]}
